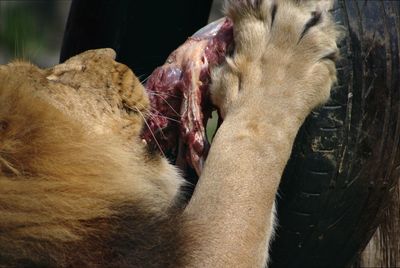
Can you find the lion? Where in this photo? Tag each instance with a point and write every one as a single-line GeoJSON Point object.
{"type": "Point", "coordinates": [79, 188]}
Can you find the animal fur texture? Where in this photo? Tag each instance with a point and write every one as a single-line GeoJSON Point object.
{"type": "Point", "coordinates": [78, 188]}
{"type": "Point", "coordinates": [383, 250]}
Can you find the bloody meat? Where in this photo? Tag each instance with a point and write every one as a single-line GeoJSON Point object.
{"type": "Point", "coordinates": [179, 95]}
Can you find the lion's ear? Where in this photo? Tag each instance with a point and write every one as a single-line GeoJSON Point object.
{"type": "Point", "coordinates": [79, 62]}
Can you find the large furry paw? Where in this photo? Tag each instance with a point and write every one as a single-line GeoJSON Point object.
{"type": "Point", "coordinates": [284, 49]}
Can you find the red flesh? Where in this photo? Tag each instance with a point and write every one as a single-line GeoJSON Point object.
{"type": "Point", "coordinates": [179, 95]}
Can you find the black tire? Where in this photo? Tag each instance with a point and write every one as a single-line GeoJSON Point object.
{"type": "Point", "coordinates": [346, 159]}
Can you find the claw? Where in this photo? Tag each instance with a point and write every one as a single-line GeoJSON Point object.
{"type": "Point", "coordinates": [315, 19]}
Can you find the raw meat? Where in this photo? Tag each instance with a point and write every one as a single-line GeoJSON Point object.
{"type": "Point", "coordinates": [179, 95]}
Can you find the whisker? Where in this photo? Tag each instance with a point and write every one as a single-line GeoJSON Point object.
{"type": "Point", "coordinates": [170, 106]}
{"type": "Point", "coordinates": [166, 102]}
{"type": "Point", "coordinates": [170, 118]}
{"type": "Point", "coordinates": [147, 78]}
{"type": "Point", "coordinates": [166, 94]}
{"type": "Point", "coordinates": [146, 109]}
{"type": "Point", "coordinates": [140, 77]}
{"type": "Point", "coordinates": [151, 132]}
{"type": "Point", "coordinates": [152, 115]}
{"type": "Point", "coordinates": [149, 113]}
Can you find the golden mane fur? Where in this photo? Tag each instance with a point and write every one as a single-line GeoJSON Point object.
{"type": "Point", "coordinates": [57, 175]}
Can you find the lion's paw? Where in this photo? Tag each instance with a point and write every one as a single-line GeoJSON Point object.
{"type": "Point", "coordinates": [283, 49]}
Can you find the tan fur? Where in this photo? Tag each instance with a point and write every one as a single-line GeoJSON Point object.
{"type": "Point", "coordinates": [79, 188]}
{"type": "Point", "coordinates": [383, 250]}
{"type": "Point", "coordinates": [65, 155]}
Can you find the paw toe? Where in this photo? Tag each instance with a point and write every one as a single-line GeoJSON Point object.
{"type": "Point", "coordinates": [258, 9]}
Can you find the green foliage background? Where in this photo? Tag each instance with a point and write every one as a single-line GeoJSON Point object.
{"type": "Point", "coordinates": [32, 30]}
